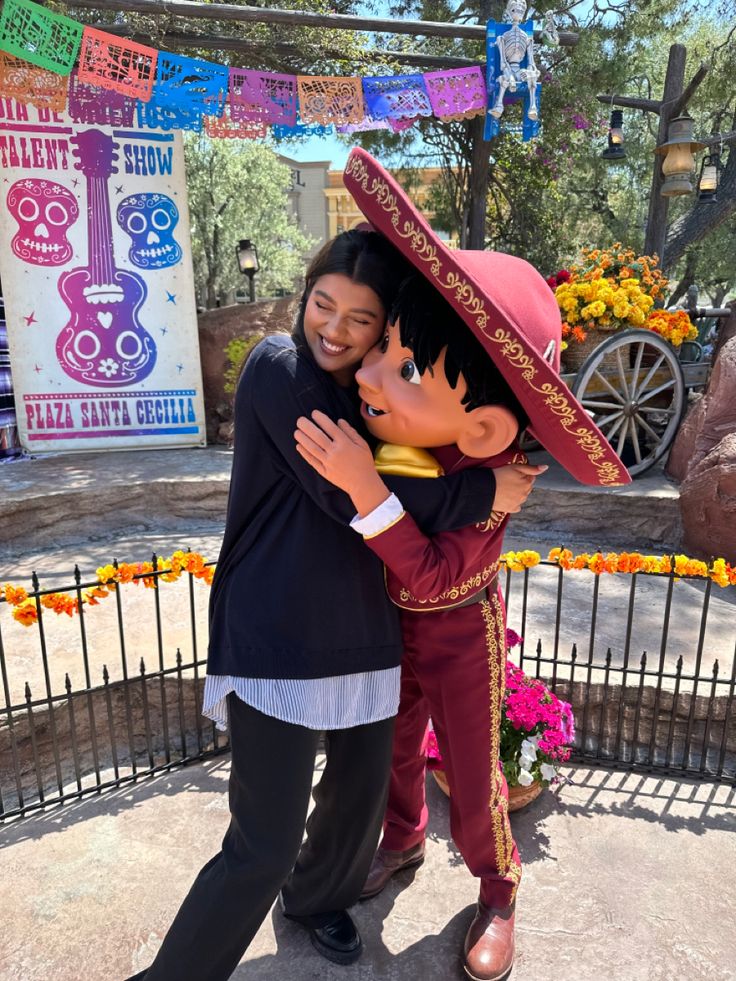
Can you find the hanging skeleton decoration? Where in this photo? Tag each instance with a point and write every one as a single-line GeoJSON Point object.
{"type": "Point", "coordinates": [514, 46]}
{"type": "Point", "coordinates": [512, 72]}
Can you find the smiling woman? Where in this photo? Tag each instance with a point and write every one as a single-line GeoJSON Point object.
{"type": "Point", "coordinates": [342, 322]}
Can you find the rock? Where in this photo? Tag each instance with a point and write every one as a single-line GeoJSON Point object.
{"type": "Point", "coordinates": [683, 448]}
{"type": "Point", "coordinates": [708, 502]}
{"type": "Point", "coordinates": [710, 419]}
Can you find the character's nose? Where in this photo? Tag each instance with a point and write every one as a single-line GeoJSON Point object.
{"type": "Point", "coordinates": [368, 375]}
{"type": "Point", "coordinates": [41, 231]}
{"type": "Point", "coordinates": [152, 239]}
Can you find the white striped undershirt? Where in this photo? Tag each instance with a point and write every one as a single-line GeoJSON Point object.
{"type": "Point", "coordinates": [317, 703]}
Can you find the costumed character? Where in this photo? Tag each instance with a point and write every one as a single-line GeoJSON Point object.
{"type": "Point", "coordinates": [303, 638]}
{"type": "Point", "coordinates": [470, 356]}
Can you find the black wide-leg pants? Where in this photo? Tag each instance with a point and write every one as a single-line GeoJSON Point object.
{"type": "Point", "coordinates": [262, 851]}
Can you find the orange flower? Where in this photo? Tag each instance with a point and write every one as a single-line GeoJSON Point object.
{"type": "Point", "coordinates": [26, 613]}
{"type": "Point", "coordinates": [14, 594]}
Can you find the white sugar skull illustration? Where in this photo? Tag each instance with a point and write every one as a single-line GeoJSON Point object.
{"type": "Point", "coordinates": [150, 220]}
{"type": "Point", "coordinates": [45, 211]}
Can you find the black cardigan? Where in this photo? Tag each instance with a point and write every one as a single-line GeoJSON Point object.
{"type": "Point", "coordinates": [296, 593]}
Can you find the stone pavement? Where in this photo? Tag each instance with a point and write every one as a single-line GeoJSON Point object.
{"type": "Point", "coordinates": [626, 878]}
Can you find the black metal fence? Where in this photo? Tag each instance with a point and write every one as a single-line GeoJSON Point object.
{"type": "Point", "coordinates": [134, 706]}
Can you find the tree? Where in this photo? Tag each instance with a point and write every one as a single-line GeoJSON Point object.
{"type": "Point", "coordinates": [239, 190]}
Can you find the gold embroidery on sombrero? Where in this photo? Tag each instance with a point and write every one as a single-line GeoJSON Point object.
{"type": "Point", "coordinates": [608, 472]}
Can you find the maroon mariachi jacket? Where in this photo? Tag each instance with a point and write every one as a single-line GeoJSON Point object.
{"type": "Point", "coordinates": [425, 574]}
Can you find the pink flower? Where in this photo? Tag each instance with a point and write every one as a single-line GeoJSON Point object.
{"type": "Point", "coordinates": [512, 638]}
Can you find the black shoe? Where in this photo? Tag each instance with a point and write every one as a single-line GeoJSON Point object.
{"type": "Point", "coordinates": [336, 937]}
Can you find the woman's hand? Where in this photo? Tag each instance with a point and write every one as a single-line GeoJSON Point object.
{"type": "Point", "coordinates": [513, 485]}
{"type": "Point", "coordinates": [341, 455]}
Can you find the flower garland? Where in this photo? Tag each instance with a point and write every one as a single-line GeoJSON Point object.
{"type": "Point", "coordinates": [721, 572]}
{"type": "Point", "coordinates": [25, 609]}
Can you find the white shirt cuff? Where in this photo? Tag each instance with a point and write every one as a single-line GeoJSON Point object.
{"type": "Point", "coordinates": [379, 519]}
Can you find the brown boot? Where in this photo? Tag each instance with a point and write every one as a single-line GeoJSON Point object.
{"type": "Point", "coordinates": [387, 863]}
{"type": "Point", "coordinates": [489, 944]}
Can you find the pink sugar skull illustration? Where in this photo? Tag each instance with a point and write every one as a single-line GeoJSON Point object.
{"type": "Point", "coordinates": [149, 219]}
{"type": "Point", "coordinates": [45, 211]}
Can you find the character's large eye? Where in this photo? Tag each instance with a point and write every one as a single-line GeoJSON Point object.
{"type": "Point", "coordinates": [410, 373]}
{"type": "Point", "coordinates": [160, 220]}
{"type": "Point", "coordinates": [383, 343]}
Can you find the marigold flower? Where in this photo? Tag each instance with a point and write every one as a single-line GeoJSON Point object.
{"type": "Point", "coordinates": [14, 594]}
{"type": "Point", "coordinates": [26, 613]}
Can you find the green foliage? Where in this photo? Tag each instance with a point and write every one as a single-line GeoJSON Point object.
{"type": "Point", "coordinates": [236, 352]}
{"type": "Point", "coordinates": [239, 190]}
{"type": "Point", "coordinates": [550, 197]}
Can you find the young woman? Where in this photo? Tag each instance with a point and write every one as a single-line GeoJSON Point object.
{"type": "Point", "coordinates": [303, 638]}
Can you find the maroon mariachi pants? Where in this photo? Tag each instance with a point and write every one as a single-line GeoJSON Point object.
{"type": "Point", "coordinates": [454, 670]}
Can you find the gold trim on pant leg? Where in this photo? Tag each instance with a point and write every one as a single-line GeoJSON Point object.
{"type": "Point", "coordinates": [500, 827]}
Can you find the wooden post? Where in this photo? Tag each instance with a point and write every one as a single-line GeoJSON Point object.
{"type": "Point", "coordinates": [669, 107]}
{"type": "Point", "coordinates": [480, 172]}
{"type": "Point", "coordinates": [480, 161]}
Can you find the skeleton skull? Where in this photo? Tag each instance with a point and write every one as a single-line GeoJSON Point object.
{"type": "Point", "coordinates": [44, 211]}
{"type": "Point", "coordinates": [149, 219]}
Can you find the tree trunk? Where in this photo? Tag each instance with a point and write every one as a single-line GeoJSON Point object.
{"type": "Point", "coordinates": [654, 241]}
{"type": "Point", "coordinates": [688, 277]}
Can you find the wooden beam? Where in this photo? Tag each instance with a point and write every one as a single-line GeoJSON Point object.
{"type": "Point", "coordinates": [717, 138]}
{"type": "Point", "coordinates": [301, 18]}
{"type": "Point", "coordinates": [681, 103]}
{"type": "Point", "coordinates": [631, 102]}
{"type": "Point", "coordinates": [219, 42]}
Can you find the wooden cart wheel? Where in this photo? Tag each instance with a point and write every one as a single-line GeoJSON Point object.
{"type": "Point", "coordinates": [633, 387]}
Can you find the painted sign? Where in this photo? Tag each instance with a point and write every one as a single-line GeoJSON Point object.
{"type": "Point", "coordinates": [96, 268]}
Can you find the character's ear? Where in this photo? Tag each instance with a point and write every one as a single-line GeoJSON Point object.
{"type": "Point", "coordinates": [489, 429]}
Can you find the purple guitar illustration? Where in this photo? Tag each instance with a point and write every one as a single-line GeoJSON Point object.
{"type": "Point", "coordinates": [103, 343]}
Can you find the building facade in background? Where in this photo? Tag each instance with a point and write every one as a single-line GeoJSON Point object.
{"type": "Point", "coordinates": [323, 207]}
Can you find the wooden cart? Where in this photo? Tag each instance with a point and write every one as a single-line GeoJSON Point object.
{"type": "Point", "coordinates": [634, 386]}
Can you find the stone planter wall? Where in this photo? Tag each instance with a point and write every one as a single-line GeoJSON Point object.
{"type": "Point", "coordinates": [216, 329]}
{"type": "Point", "coordinates": [599, 705]}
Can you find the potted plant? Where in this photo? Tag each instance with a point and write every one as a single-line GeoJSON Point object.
{"type": "Point", "coordinates": [537, 732]}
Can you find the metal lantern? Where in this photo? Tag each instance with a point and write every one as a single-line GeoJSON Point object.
{"type": "Point", "coordinates": [710, 172]}
{"type": "Point", "coordinates": [615, 149]}
{"type": "Point", "coordinates": [247, 255]}
{"type": "Point", "coordinates": [679, 164]}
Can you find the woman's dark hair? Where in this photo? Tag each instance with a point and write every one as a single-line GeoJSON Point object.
{"type": "Point", "coordinates": [427, 324]}
{"type": "Point", "coordinates": [365, 257]}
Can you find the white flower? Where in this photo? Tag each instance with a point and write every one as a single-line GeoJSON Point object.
{"type": "Point", "coordinates": [108, 367]}
{"type": "Point", "coordinates": [548, 771]}
{"type": "Point", "coordinates": [529, 748]}
{"type": "Point", "coordinates": [525, 778]}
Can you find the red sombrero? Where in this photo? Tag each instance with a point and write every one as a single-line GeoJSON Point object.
{"type": "Point", "coordinates": [510, 309]}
